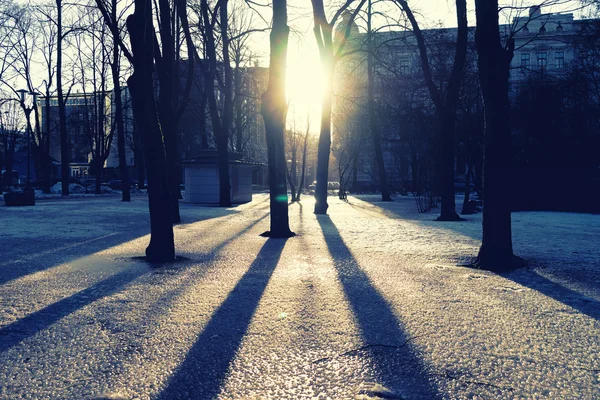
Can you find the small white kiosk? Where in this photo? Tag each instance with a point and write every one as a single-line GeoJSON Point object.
{"type": "Point", "coordinates": [202, 179]}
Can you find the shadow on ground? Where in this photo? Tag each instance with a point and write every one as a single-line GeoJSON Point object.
{"type": "Point", "coordinates": [14, 333]}
{"type": "Point", "coordinates": [27, 255]}
{"type": "Point", "coordinates": [529, 276]}
{"type": "Point", "coordinates": [399, 367]}
{"type": "Point", "coordinates": [202, 373]}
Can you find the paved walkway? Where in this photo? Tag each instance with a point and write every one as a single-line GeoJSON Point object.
{"type": "Point", "coordinates": [364, 303]}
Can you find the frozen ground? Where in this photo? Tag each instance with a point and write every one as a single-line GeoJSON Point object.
{"type": "Point", "coordinates": [366, 302]}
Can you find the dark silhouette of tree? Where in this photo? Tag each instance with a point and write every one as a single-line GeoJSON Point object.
{"type": "Point", "coordinates": [47, 46]}
{"type": "Point", "coordinates": [445, 104]}
{"type": "Point", "coordinates": [141, 86]}
{"type": "Point", "coordinates": [273, 110]}
{"type": "Point", "coordinates": [373, 125]}
{"type": "Point", "coordinates": [221, 120]}
{"type": "Point", "coordinates": [62, 113]}
{"type": "Point", "coordinates": [115, 68]}
{"type": "Point", "coordinates": [93, 62]}
{"type": "Point", "coordinates": [496, 252]}
{"type": "Point", "coordinates": [323, 30]}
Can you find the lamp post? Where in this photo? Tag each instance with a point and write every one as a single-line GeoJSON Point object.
{"type": "Point", "coordinates": [27, 110]}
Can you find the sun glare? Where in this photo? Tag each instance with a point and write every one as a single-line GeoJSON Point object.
{"type": "Point", "coordinates": [304, 86]}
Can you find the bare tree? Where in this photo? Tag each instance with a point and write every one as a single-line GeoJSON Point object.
{"type": "Point", "coordinates": [11, 126]}
{"type": "Point", "coordinates": [323, 30]}
{"type": "Point", "coordinates": [496, 252]}
{"type": "Point", "coordinates": [373, 125]}
{"type": "Point", "coordinates": [445, 103]}
{"type": "Point", "coordinates": [141, 86]}
{"type": "Point", "coordinates": [93, 59]}
{"type": "Point", "coordinates": [274, 110]}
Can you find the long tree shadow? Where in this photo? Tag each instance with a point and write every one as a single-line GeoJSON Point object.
{"type": "Point", "coordinates": [19, 259]}
{"type": "Point", "coordinates": [202, 373]}
{"type": "Point", "coordinates": [400, 369]}
{"type": "Point", "coordinates": [533, 280]}
{"type": "Point", "coordinates": [565, 270]}
{"type": "Point", "coordinates": [15, 332]}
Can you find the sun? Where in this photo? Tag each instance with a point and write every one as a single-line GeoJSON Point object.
{"type": "Point", "coordinates": [304, 87]}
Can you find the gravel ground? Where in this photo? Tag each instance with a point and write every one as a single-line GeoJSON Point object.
{"type": "Point", "coordinates": [367, 302]}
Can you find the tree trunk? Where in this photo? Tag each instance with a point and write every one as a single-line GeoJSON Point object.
{"type": "Point", "coordinates": [141, 31]}
{"type": "Point", "coordinates": [116, 69]}
{"type": "Point", "coordinates": [292, 186]}
{"type": "Point", "coordinates": [237, 84]}
{"type": "Point", "coordinates": [354, 187]}
{"type": "Point", "coordinates": [220, 127]}
{"type": "Point", "coordinates": [98, 172]}
{"type": "Point", "coordinates": [446, 165]}
{"type": "Point", "coordinates": [48, 167]}
{"type": "Point", "coordinates": [166, 109]}
{"type": "Point", "coordinates": [62, 114]}
{"type": "Point", "coordinates": [373, 128]}
{"type": "Point", "coordinates": [273, 111]}
{"type": "Point", "coordinates": [324, 138]}
{"type": "Point", "coordinates": [496, 252]}
{"type": "Point", "coordinates": [448, 117]}
{"type": "Point", "coordinates": [303, 174]}
{"type": "Point", "coordinates": [466, 208]}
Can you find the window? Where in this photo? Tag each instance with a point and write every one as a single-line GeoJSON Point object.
{"type": "Point", "coordinates": [404, 65]}
{"type": "Point", "coordinates": [525, 60]}
{"type": "Point", "coordinates": [542, 60]}
{"type": "Point", "coordinates": [559, 58]}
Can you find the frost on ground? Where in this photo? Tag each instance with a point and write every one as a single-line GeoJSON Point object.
{"type": "Point", "coordinates": [368, 302]}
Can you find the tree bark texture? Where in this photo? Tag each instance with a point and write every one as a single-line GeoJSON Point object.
{"type": "Point", "coordinates": [161, 247]}
{"type": "Point", "coordinates": [273, 111]}
{"type": "Point", "coordinates": [496, 252]}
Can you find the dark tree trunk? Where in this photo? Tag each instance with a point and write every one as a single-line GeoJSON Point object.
{"type": "Point", "coordinates": [292, 186]}
{"type": "Point", "coordinates": [138, 154]}
{"type": "Point", "coordinates": [220, 127]}
{"type": "Point", "coordinates": [98, 173]}
{"type": "Point", "coordinates": [223, 140]}
{"type": "Point", "coordinates": [373, 127]}
{"type": "Point", "coordinates": [162, 246]}
{"type": "Point", "coordinates": [496, 252]}
{"type": "Point", "coordinates": [448, 117]}
{"type": "Point", "coordinates": [62, 114]}
{"type": "Point", "coordinates": [303, 173]}
{"type": "Point", "coordinates": [237, 84]}
{"type": "Point", "coordinates": [116, 69]}
{"type": "Point", "coordinates": [202, 122]}
{"type": "Point", "coordinates": [466, 209]}
{"type": "Point", "coordinates": [324, 139]}
{"type": "Point", "coordinates": [273, 111]}
{"type": "Point", "coordinates": [445, 106]}
{"type": "Point", "coordinates": [414, 169]}
{"type": "Point", "coordinates": [47, 160]}
{"type": "Point", "coordinates": [166, 75]}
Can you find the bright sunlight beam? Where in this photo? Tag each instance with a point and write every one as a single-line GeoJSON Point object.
{"type": "Point", "coordinates": [304, 86]}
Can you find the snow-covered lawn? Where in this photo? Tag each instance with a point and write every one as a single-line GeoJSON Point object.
{"type": "Point", "coordinates": [366, 302]}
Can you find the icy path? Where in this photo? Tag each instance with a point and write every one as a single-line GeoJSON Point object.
{"type": "Point", "coordinates": [366, 301]}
